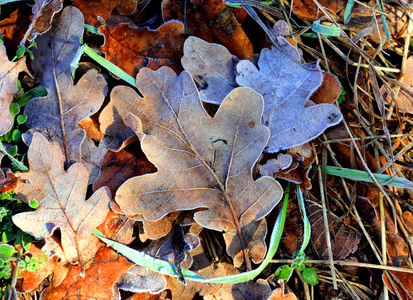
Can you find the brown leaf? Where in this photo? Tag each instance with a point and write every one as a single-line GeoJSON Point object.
{"type": "Point", "coordinates": [10, 183]}
{"type": "Point", "coordinates": [117, 167]}
{"type": "Point", "coordinates": [28, 281]}
{"type": "Point", "coordinates": [329, 90]}
{"type": "Point", "coordinates": [278, 293]}
{"type": "Point", "coordinates": [97, 11]}
{"type": "Point", "coordinates": [404, 98]}
{"type": "Point", "coordinates": [54, 54]}
{"type": "Point", "coordinates": [93, 155]}
{"type": "Point", "coordinates": [8, 87]}
{"type": "Point", "coordinates": [201, 161]}
{"type": "Point", "coordinates": [15, 26]}
{"type": "Point", "coordinates": [211, 21]}
{"type": "Point", "coordinates": [130, 48]}
{"type": "Point", "coordinates": [306, 9]}
{"type": "Point", "coordinates": [344, 239]}
{"type": "Point", "coordinates": [98, 282]}
{"type": "Point", "coordinates": [403, 283]}
{"type": "Point", "coordinates": [60, 195]}
{"type": "Point", "coordinates": [43, 12]}
{"type": "Point", "coordinates": [286, 87]}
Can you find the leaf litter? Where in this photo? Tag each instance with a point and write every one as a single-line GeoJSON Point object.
{"type": "Point", "coordinates": [222, 165]}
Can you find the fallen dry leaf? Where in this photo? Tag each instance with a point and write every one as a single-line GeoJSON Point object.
{"type": "Point", "coordinates": [98, 282]}
{"type": "Point", "coordinates": [344, 239]}
{"type": "Point", "coordinates": [28, 281]}
{"type": "Point", "coordinates": [285, 84]}
{"type": "Point", "coordinates": [329, 90]}
{"type": "Point", "coordinates": [403, 283]}
{"type": "Point", "coordinates": [201, 161]}
{"type": "Point", "coordinates": [60, 195]}
{"type": "Point", "coordinates": [308, 10]}
{"type": "Point", "coordinates": [43, 12]}
{"type": "Point", "coordinates": [97, 11]}
{"type": "Point", "coordinates": [404, 98]}
{"type": "Point", "coordinates": [212, 21]}
{"type": "Point", "coordinates": [212, 67]}
{"type": "Point", "coordinates": [130, 48]}
{"type": "Point", "coordinates": [286, 87]}
{"type": "Point", "coordinates": [8, 87]}
{"type": "Point", "coordinates": [53, 57]}
{"type": "Point", "coordinates": [9, 183]}
{"type": "Point", "coordinates": [15, 26]}
{"type": "Point", "coordinates": [117, 167]}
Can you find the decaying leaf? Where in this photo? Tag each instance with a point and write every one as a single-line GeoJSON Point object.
{"type": "Point", "coordinates": [9, 183]}
{"type": "Point", "coordinates": [286, 87]}
{"type": "Point", "coordinates": [201, 161]}
{"type": "Point", "coordinates": [60, 195]}
{"type": "Point", "coordinates": [212, 21]}
{"type": "Point", "coordinates": [344, 240]}
{"type": "Point", "coordinates": [98, 282]}
{"type": "Point", "coordinates": [117, 167]}
{"type": "Point", "coordinates": [8, 87]}
{"type": "Point", "coordinates": [404, 97]}
{"type": "Point", "coordinates": [130, 48]}
{"type": "Point", "coordinates": [43, 12]}
{"type": "Point", "coordinates": [310, 11]}
{"type": "Point", "coordinates": [59, 113]}
{"type": "Point", "coordinates": [97, 11]}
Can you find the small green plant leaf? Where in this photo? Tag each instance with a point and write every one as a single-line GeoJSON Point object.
{"type": "Point", "coordinates": [16, 136]}
{"type": "Point", "coordinates": [33, 204]}
{"type": "Point", "coordinates": [20, 51]}
{"type": "Point", "coordinates": [310, 276]}
{"type": "Point", "coordinates": [13, 150]}
{"type": "Point", "coordinates": [14, 109]}
{"type": "Point", "coordinates": [301, 267]}
{"type": "Point", "coordinates": [21, 119]}
{"type": "Point", "coordinates": [7, 250]}
{"type": "Point", "coordinates": [284, 272]}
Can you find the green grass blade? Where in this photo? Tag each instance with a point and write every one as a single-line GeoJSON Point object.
{"type": "Point", "coordinates": [167, 268]}
{"type": "Point", "coordinates": [110, 67]}
{"type": "Point", "coordinates": [364, 176]}
{"type": "Point", "coordinates": [347, 13]}
{"type": "Point", "coordinates": [325, 30]}
{"type": "Point", "coordinates": [383, 18]}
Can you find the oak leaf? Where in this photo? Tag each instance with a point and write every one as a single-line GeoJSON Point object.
{"type": "Point", "coordinates": [285, 84]}
{"type": "Point", "coordinates": [43, 12]}
{"type": "Point", "coordinates": [286, 87]}
{"type": "Point", "coordinates": [130, 49]}
{"type": "Point", "coordinates": [8, 87]}
{"type": "Point", "coordinates": [202, 162]}
{"type": "Point", "coordinates": [66, 104]}
{"type": "Point", "coordinates": [60, 195]}
{"type": "Point", "coordinates": [97, 11]}
{"type": "Point", "coordinates": [210, 20]}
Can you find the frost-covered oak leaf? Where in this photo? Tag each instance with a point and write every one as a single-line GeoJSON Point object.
{"type": "Point", "coordinates": [286, 86]}
{"type": "Point", "coordinates": [59, 113]}
{"type": "Point", "coordinates": [61, 197]}
{"type": "Point", "coordinates": [202, 162]}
